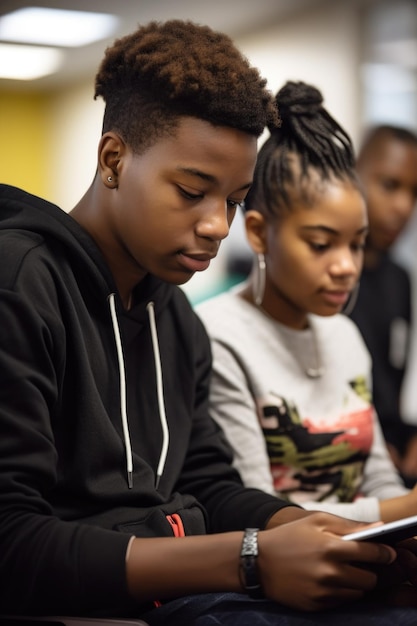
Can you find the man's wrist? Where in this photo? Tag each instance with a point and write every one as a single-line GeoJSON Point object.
{"type": "Point", "coordinates": [248, 569]}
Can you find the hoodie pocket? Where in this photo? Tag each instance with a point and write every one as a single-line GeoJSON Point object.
{"type": "Point", "coordinates": [176, 524]}
{"type": "Point", "coordinates": [165, 523]}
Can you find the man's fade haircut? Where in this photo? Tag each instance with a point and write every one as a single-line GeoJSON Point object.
{"type": "Point", "coordinates": [162, 71]}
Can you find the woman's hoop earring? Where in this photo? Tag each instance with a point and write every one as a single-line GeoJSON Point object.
{"type": "Point", "coordinates": [259, 280]}
{"type": "Point", "coordinates": [350, 305]}
{"type": "Point", "coordinates": [110, 179]}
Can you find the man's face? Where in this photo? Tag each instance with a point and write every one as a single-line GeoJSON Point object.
{"type": "Point", "coordinates": [389, 176]}
{"type": "Point", "coordinates": [175, 202]}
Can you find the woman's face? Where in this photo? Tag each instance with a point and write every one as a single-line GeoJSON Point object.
{"type": "Point", "coordinates": [314, 254]}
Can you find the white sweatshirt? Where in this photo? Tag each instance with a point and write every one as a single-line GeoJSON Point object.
{"type": "Point", "coordinates": [314, 441]}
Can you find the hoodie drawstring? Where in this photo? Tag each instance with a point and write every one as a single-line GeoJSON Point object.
{"type": "Point", "coordinates": [159, 387]}
{"type": "Point", "coordinates": [160, 391]}
{"type": "Point", "coordinates": [123, 403]}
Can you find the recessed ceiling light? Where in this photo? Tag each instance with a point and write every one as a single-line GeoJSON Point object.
{"type": "Point", "coordinates": [28, 62]}
{"type": "Point", "coordinates": [56, 27]}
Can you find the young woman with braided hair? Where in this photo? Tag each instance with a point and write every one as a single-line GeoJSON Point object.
{"type": "Point", "coordinates": [107, 450]}
{"type": "Point", "coordinates": [292, 377]}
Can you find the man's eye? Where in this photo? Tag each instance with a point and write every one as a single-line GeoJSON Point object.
{"type": "Point", "coordinates": [188, 194]}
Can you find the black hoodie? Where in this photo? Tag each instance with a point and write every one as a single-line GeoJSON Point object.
{"type": "Point", "coordinates": [103, 419]}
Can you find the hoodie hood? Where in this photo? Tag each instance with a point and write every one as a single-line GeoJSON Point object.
{"type": "Point", "coordinates": [23, 211]}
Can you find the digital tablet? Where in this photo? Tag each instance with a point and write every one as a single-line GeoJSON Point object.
{"type": "Point", "coordinates": [389, 533]}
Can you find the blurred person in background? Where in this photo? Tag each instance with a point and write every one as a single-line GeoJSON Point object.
{"type": "Point", "coordinates": [387, 168]}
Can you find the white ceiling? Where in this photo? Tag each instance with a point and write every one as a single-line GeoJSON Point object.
{"type": "Point", "coordinates": [234, 17]}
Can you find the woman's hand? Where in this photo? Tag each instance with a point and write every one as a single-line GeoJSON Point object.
{"type": "Point", "coordinates": [408, 465]}
{"type": "Point", "coordinates": [399, 507]}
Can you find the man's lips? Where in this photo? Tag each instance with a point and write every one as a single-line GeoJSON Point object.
{"type": "Point", "coordinates": [195, 262]}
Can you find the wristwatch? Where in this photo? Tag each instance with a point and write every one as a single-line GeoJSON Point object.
{"type": "Point", "coordinates": [249, 575]}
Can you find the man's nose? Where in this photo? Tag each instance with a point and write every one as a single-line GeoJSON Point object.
{"type": "Point", "coordinates": [215, 221]}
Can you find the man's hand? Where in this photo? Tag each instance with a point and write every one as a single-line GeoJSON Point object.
{"type": "Point", "coordinates": [397, 583]}
{"type": "Point", "coordinates": [305, 564]}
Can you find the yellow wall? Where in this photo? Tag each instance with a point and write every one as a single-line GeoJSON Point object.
{"type": "Point", "coordinates": [24, 140]}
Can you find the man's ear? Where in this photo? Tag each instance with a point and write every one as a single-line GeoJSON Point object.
{"type": "Point", "coordinates": [111, 150]}
{"type": "Point", "coordinates": [256, 231]}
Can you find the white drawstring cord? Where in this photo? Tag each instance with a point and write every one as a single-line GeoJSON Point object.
{"type": "Point", "coordinates": [160, 393]}
{"type": "Point", "coordinates": [122, 375]}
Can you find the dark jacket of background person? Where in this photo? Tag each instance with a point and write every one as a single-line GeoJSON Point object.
{"type": "Point", "coordinates": [386, 331]}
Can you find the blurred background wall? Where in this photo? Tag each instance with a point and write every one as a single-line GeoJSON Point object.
{"type": "Point", "coordinates": [361, 54]}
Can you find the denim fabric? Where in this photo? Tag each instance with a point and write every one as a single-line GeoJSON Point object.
{"type": "Point", "coordinates": [230, 609]}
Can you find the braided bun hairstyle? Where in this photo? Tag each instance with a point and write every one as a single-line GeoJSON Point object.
{"type": "Point", "coordinates": [307, 146]}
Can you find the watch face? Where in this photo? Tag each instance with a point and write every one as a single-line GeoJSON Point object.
{"type": "Point", "coordinates": [248, 565]}
{"type": "Point", "coordinates": [250, 542]}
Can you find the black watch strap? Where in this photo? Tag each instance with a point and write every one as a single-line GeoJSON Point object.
{"type": "Point", "coordinates": [248, 563]}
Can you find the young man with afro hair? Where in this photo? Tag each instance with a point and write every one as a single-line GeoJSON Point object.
{"type": "Point", "coordinates": [107, 452]}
